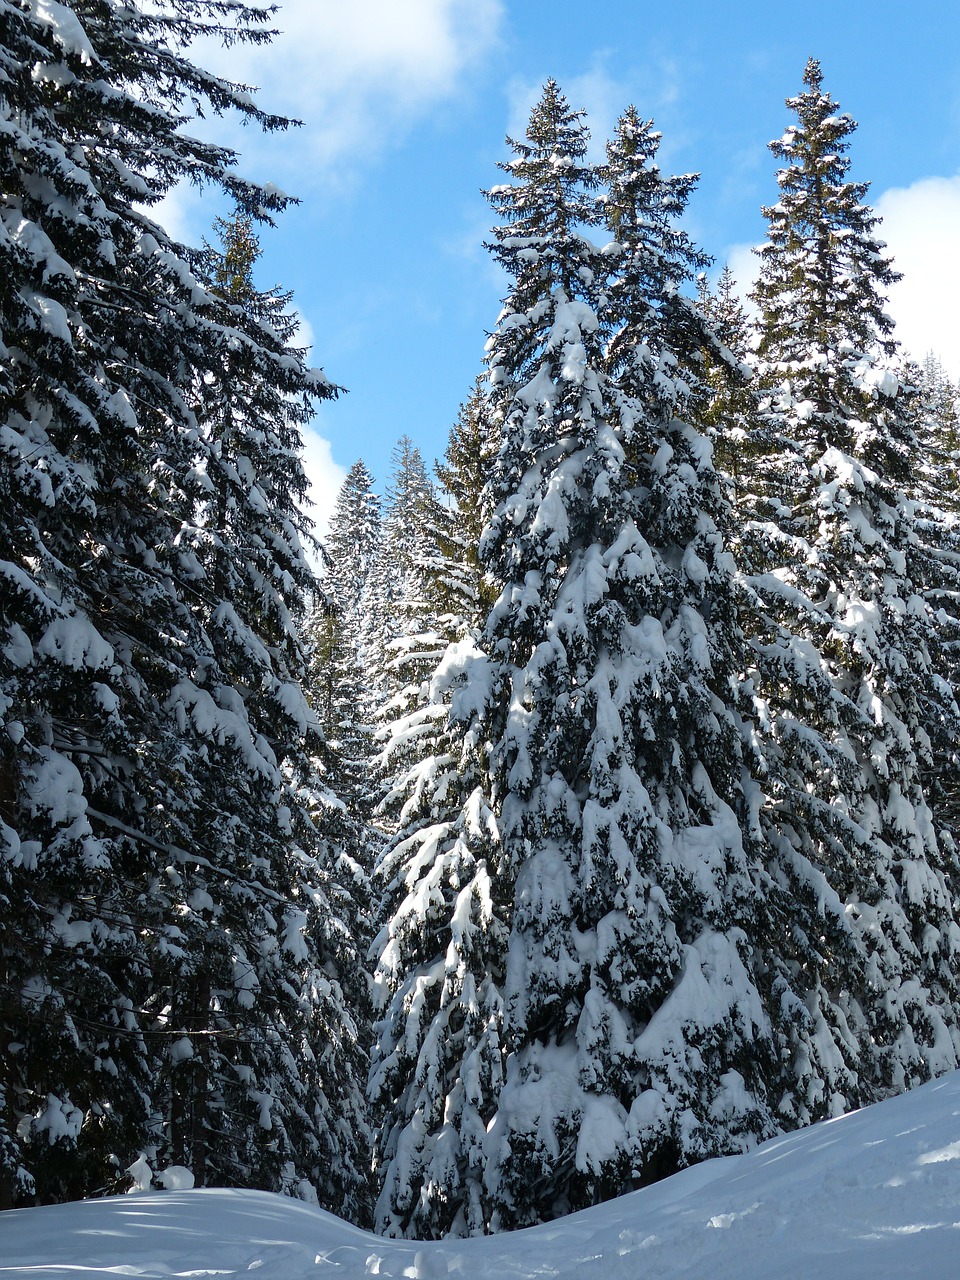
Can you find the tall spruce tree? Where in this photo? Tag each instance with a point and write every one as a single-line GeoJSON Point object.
{"type": "Point", "coordinates": [456, 580]}
{"type": "Point", "coordinates": [436, 1068]}
{"type": "Point", "coordinates": [942, 399]}
{"type": "Point", "coordinates": [396, 607]}
{"type": "Point", "coordinates": [731, 411]}
{"type": "Point", "coordinates": [638, 1039]}
{"type": "Point", "coordinates": [339, 685]}
{"type": "Point", "coordinates": [848, 694]}
{"type": "Point", "coordinates": [353, 538]}
{"type": "Point", "coordinates": [935, 490]}
{"type": "Point", "coordinates": [293, 1048]}
{"type": "Point", "coordinates": [165, 987]}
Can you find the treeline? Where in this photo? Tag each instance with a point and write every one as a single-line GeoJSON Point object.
{"type": "Point", "coordinates": [593, 814]}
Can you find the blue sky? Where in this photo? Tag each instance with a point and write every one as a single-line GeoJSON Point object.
{"type": "Point", "coordinates": [405, 105]}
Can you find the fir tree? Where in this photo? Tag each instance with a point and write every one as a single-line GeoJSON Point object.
{"type": "Point", "coordinates": [339, 689]}
{"type": "Point", "coordinates": [398, 638]}
{"type": "Point", "coordinates": [437, 1064]}
{"type": "Point", "coordinates": [845, 651]}
{"type": "Point", "coordinates": [938, 473]}
{"type": "Point", "coordinates": [731, 412]}
{"type": "Point", "coordinates": [283, 1054]}
{"type": "Point", "coordinates": [353, 540]}
{"type": "Point", "coordinates": [942, 396]}
{"type": "Point", "coordinates": [638, 1039]}
{"type": "Point", "coordinates": [456, 580]}
{"type": "Point", "coordinates": [164, 884]}
{"type": "Point", "coordinates": [935, 490]}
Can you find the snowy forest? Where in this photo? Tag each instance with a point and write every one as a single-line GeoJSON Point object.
{"type": "Point", "coordinates": [592, 813]}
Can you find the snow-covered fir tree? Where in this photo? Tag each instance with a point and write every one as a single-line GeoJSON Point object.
{"type": "Point", "coordinates": [942, 399]}
{"type": "Point", "coordinates": [848, 691]}
{"type": "Point", "coordinates": [170, 967]}
{"type": "Point", "coordinates": [353, 539]}
{"type": "Point", "coordinates": [935, 489]}
{"type": "Point", "coordinates": [299, 1050]}
{"type": "Point", "coordinates": [401, 637]}
{"type": "Point", "coordinates": [395, 605]}
{"type": "Point", "coordinates": [638, 1040]}
{"type": "Point", "coordinates": [456, 581]}
{"type": "Point", "coordinates": [730, 412]}
{"type": "Point", "coordinates": [338, 684]}
{"type": "Point", "coordinates": [436, 1069]}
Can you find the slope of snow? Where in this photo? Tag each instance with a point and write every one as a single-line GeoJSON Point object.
{"type": "Point", "coordinates": [873, 1194]}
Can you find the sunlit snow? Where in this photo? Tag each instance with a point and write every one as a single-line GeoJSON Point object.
{"type": "Point", "coordinates": [874, 1195]}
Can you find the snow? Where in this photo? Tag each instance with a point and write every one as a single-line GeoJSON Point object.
{"type": "Point", "coordinates": [66, 28]}
{"type": "Point", "coordinates": [74, 641]}
{"type": "Point", "coordinates": [874, 1195]}
{"type": "Point", "coordinates": [176, 1178]}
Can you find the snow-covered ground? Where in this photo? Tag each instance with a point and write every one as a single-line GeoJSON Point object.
{"type": "Point", "coordinates": [874, 1194]}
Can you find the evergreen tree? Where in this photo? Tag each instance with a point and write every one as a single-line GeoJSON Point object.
{"type": "Point", "coordinates": [638, 1039]}
{"type": "Point", "coordinates": [166, 970]}
{"type": "Point", "coordinates": [338, 683]}
{"type": "Point", "coordinates": [939, 471]}
{"type": "Point", "coordinates": [280, 1037]}
{"type": "Point", "coordinates": [436, 1070]}
{"type": "Point", "coordinates": [398, 639]}
{"type": "Point", "coordinates": [731, 412]}
{"type": "Point", "coordinates": [353, 540]}
{"type": "Point", "coordinates": [935, 490]}
{"type": "Point", "coordinates": [456, 580]}
{"type": "Point", "coordinates": [942, 397]}
{"type": "Point", "coordinates": [846, 683]}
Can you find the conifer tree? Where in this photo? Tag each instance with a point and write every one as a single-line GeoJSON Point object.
{"type": "Point", "coordinates": [730, 413]}
{"type": "Point", "coordinates": [436, 1069]}
{"type": "Point", "coordinates": [638, 1039]}
{"type": "Point", "coordinates": [339, 688]}
{"type": "Point", "coordinates": [935, 491]}
{"type": "Point", "coordinates": [848, 693]}
{"type": "Point", "coordinates": [164, 884]}
{"type": "Point", "coordinates": [456, 581]}
{"type": "Point", "coordinates": [279, 1035]}
{"type": "Point", "coordinates": [398, 639]}
{"type": "Point", "coordinates": [939, 470]}
{"type": "Point", "coordinates": [353, 540]}
{"type": "Point", "coordinates": [942, 396]}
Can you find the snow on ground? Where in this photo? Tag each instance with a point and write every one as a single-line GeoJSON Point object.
{"type": "Point", "coordinates": [873, 1194]}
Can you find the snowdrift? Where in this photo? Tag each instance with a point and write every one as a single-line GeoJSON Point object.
{"type": "Point", "coordinates": [874, 1194]}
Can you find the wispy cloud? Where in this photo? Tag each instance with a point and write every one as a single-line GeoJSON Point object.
{"type": "Point", "coordinates": [358, 73]}
{"type": "Point", "coordinates": [324, 474]}
{"type": "Point", "coordinates": [603, 96]}
{"type": "Point", "coordinates": [187, 212]}
{"type": "Point", "coordinates": [745, 267]}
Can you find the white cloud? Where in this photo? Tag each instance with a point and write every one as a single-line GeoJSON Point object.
{"type": "Point", "coordinates": [921, 225]}
{"type": "Point", "coordinates": [356, 72]}
{"type": "Point", "coordinates": [745, 267]}
{"type": "Point", "coordinates": [304, 336]}
{"type": "Point", "coordinates": [186, 212]}
{"type": "Point", "coordinates": [326, 476]}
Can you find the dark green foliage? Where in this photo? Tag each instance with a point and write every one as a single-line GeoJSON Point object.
{"type": "Point", "coordinates": [845, 682]}
{"type": "Point", "coordinates": [170, 969]}
{"type": "Point", "coordinates": [437, 1067]}
{"type": "Point", "coordinates": [615, 767]}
